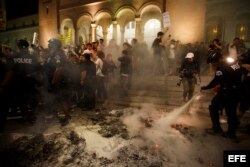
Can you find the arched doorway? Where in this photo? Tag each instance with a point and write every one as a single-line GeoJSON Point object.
{"type": "Point", "coordinates": [67, 32]}
{"type": "Point", "coordinates": [99, 32]}
{"type": "Point", "coordinates": [151, 28]}
{"type": "Point", "coordinates": [129, 31]}
{"type": "Point", "coordinates": [84, 31]}
{"type": "Point", "coordinates": [110, 33]}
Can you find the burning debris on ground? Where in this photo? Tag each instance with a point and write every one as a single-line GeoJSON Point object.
{"type": "Point", "coordinates": [136, 157]}
{"type": "Point", "coordinates": [134, 137]}
{"type": "Point", "coordinates": [40, 150]}
{"type": "Point", "coordinates": [68, 149]}
{"type": "Point", "coordinates": [184, 130]}
{"type": "Point", "coordinates": [110, 123]}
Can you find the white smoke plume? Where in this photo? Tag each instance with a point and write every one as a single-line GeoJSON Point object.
{"type": "Point", "coordinates": [187, 146]}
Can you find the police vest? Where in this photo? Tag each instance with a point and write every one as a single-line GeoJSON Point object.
{"type": "Point", "coordinates": [24, 64]}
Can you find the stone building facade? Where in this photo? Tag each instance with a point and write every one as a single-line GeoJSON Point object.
{"type": "Point", "coordinates": [85, 21]}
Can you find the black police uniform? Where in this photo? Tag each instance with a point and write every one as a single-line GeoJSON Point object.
{"type": "Point", "coordinates": [57, 69]}
{"type": "Point", "coordinates": [245, 97]}
{"type": "Point", "coordinates": [6, 65]}
{"type": "Point", "coordinates": [61, 88]}
{"type": "Point", "coordinates": [245, 93]}
{"type": "Point", "coordinates": [228, 76]}
{"type": "Point", "coordinates": [25, 71]}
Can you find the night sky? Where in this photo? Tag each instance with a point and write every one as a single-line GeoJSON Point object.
{"type": "Point", "coordinates": [20, 8]}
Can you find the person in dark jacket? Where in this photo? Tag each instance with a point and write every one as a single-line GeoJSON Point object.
{"type": "Point", "coordinates": [125, 72]}
{"type": "Point", "coordinates": [88, 81]}
{"type": "Point", "coordinates": [158, 50]}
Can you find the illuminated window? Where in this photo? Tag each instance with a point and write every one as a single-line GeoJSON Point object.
{"type": "Point", "coordinates": [243, 27]}
{"type": "Point", "coordinates": [243, 32]}
{"type": "Point", "coordinates": [214, 28]}
{"type": "Point", "coordinates": [213, 31]}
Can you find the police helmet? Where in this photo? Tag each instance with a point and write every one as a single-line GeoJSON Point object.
{"type": "Point", "coordinates": [214, 57]}
{"type": "Point", "coordinates": [22, 44]}
{"type": "Point", "coordinates": [54, 43]}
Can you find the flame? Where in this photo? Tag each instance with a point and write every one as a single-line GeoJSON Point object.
{"type": "Point", "coordinates": [156, 146]}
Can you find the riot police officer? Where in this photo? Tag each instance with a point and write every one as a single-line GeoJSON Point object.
{"type": "Point", "coordinates": [228, 76]}
{"type": "Point", "coordinates": [6, 73]}
{"type": "Point", "coordinates": [244, 61]}
{"type": "Point", "coordinates": [56, 67]}
{"type": "Point", "coordinates": [24, 79]}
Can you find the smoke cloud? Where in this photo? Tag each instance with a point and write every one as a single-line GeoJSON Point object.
{"type": "Point", "coordinates": [176, 136]}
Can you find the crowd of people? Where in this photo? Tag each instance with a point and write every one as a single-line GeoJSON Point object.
{"type": "Point", "coordinates": [62, 77]}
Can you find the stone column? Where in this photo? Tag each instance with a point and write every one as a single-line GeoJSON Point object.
{"type": "Point", "coordinates": [114, 29]}
{"type": "Point", "coordinates": [105, 33]}
{"type": "Point", "coordinates": [122, 35]}
{"type": "Point", "coordinates": [138, 34]}
{"type": "Point", "coordinates": [93, 29]}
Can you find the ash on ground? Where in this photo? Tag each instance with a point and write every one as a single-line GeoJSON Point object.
{"type": "Point", "coordinates": [68, 147]}
{"type": "Point", "coordinates": [118, 138]}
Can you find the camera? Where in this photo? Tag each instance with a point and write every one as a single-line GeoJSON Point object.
{"type": "Point", "coordinates": [179, 82]}
{"type": "Point", "coordinates": [181, 77]}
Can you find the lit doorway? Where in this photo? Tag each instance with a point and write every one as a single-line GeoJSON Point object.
{"type": "Point", "coordinates": [110, 34]}
{"type": "Point", "coordinates": [129, 32]}
{"type": "Point", "coordinates": [99, 32]}
{"type": "Point", "coordinates": [151, 28]}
